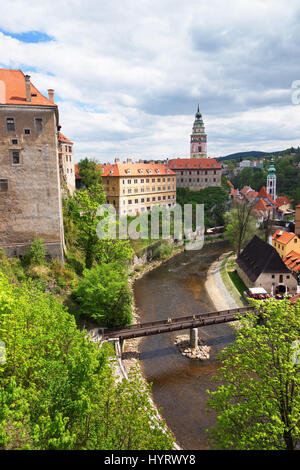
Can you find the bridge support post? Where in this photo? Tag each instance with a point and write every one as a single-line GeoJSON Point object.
{"type": "Point", "coordinates": [122, 342]}
{"type": "Point", "coordinates": [193, 338]}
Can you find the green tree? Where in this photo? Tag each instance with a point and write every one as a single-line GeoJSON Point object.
{"type": "Point", "coordinates": [104, 295]}
{"type": "Point", "coordinates": [84, 207]}
{"type": "Point", "coordinates": [90, 172]}
{"type": "Point", "coordinates": [258, 403]}
{"type": "Point", "coordinates": [240, 226]}
{"type": "Point", "coordinates": [58, 390]}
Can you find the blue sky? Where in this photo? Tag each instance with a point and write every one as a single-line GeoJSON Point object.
{"type": "Point", "coordinates": [128, 75]}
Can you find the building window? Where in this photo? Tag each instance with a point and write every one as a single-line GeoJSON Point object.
{"type": "Point", "coordinates": [3, 185]}
{"type": "Point", "coordinates": [14, 141]}
{"type": "Point", "coordinates": [38, 124]}
{"type": "Point", "coordinates": [15, 157]}
{"type": "Point", "coordinates": [27, 131]}
{"type": "Point", "coordinates": [129, 201]}
{"type": "Point", "coordinates": [136, 201]}
{"type": "Point", "coordinates": [10, 124]}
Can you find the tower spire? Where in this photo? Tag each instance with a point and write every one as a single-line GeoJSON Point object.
{"type": "Point", "coordinates": [271, 180]}
{"type": "Point", "coordinates": [198, 137]}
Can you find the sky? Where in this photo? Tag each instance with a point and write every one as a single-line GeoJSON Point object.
{"type": "Point", "coordinates": [128, 75]}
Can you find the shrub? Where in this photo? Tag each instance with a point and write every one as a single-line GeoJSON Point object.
{"type": "Point", "coordinates": [104, 295]}
{"type": "Point", "coordinates": [35, 255]}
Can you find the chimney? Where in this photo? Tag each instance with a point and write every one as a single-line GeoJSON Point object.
{"type": "Point", "coordinates": [51, 95]}
{"type": "Point", "coordinates": [117, 160]}
{"type": "Point", "coordinates": [27, 87]}
{"type": "Point", "coordinates": [129, 160]}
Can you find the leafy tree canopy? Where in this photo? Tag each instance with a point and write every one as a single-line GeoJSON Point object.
{"type": "Point", "coordinates": [258, 401]}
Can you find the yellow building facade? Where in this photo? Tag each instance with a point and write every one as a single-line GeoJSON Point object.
{"type": "Point", "coordinates": [285, 242]}
{"type": "Point", "coordinates": [134, 188]}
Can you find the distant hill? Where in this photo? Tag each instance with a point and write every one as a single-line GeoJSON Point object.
{"type": "Point", "coordinates": [245, 155]}
{"type": "Point", "coordinates": [255, 154]}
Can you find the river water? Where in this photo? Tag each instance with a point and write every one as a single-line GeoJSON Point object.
{"type": "Point", "coordinates": [179, 384]}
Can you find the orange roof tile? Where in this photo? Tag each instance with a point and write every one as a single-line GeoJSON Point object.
{"type": "Point", "coordinates": [292, 261]}
{"type": "Point", "coordinates": [251, 194]}
{"type": "Point", "coordinates": [282, 200]}
{"type": "Point", "coordinates": [13, 91]}
{"type": "Point", "coordinates": [194, 163]}
{"type": "Point", "coordinates": [283, 237]}
{"type": "Point", "coordinates": [246, 189]}
{"type": "Point", "coordinates": [262, 205]}
{"type": "Point", "coordinates": [136, 169]}
{"type": "Point", "coordinates": [263, 193]}
{"type": "Point", "coordinates": [63, 139]}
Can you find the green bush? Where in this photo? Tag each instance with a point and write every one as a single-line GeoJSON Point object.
{"type": "Point", "coordinates": [162, 251]}
{"type": "Point", "coordinates": [35, 255]}
{"type": "Point", "coordinates": [103, 294]}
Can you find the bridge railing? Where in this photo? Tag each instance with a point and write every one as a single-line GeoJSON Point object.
{"type": "Point", "coordinates": [173, 320]}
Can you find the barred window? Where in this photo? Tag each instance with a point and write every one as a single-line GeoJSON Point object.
{"type": "Point", "coordinates": [3, 185]}
{"type": "Point", "coordinates": [15, 157]}
{"type": "Point", "coordinates": [10, 124]}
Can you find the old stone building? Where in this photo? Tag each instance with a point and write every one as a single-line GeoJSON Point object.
{"type": "Point", "coordinates": [259, 265]}
{"type": "Point", "coordinates": [30, 197]}
{"type": "Point", "coordinates": [196, 173]}
{"type": "Point", "coordinates": [66, 162]}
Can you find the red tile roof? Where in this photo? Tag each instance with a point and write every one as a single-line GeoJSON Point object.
{"type": "Point", "coordinates": [283, 237]}
{"type": "Point", "coordinates": [263, 193]}
{"type": "Point", "coordinates": [281, 201]}
{"type": "Point", "coordinates": [136, 169]}
{"type": "Point", "coordinates": [194, 163]}
{"type": "Point", "coordinates": [253, 194]}
{"type": "Point", "coordinates": [13, 91]}
{"type": "Point", "coordinates": [246, 189]}
{"type": "Point", "coordinates": [63, 139]}
{"type": "Point", "coordinates": [262, 205]}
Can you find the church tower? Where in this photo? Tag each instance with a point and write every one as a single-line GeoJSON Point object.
{"type": "Point", "coordinates": [271, 181]}
{"type": "Point", "coordinates": [198, 138]}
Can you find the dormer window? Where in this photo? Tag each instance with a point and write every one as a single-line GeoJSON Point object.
{"type": "Point", "coordinates": [157, 170]}
{"type": "Point", "coordinates": [111, 172]}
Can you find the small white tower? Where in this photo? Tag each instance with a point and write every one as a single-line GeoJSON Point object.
{"type": "Point", "coordinates": [271, 181]}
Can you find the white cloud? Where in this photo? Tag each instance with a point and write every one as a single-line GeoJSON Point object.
{"type": "Point", "coordinates": [129, 74]}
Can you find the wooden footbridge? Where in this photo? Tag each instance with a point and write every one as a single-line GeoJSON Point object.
{"type": "Point", "coordinates": [172, 324]}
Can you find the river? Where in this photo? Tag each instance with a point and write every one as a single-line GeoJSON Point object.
{"type": "Point", "coordinates": [179, 384]}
